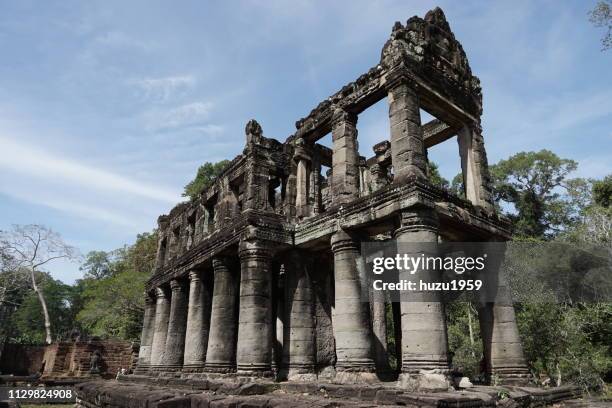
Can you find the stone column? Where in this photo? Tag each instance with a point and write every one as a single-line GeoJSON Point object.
{"type": "Point", "coordinates": [351, 320]}
{"type": "Point", "coordinates": [198, 324]}
{"type": "Point", "coordinates": [177, 324]}
{"type": "Point", "coordinates": [407, 147]}
{"type": "Point", "coordinates": [474, 166]}
{"type": "Point", "coordinates": [302, 180]}
{"type": "Point", "coordinates": [146, 338]}
{"type": "Point", "coordinates": [162, 314]}
{"type": "Point", "coordinates": [425, 363]}
{"type": "Point", "coordinates": [345, 157]}
{"type": "Point", "coordinates": [221, 353]}
{"type": "Point", "coordinates": [379, 330]}
{"type": "Point", "coordinates": [299, 334]}
{"type": "Point", "coordinates": [254, 350]}
{"type": "Point", "coordinates": [503, 350]}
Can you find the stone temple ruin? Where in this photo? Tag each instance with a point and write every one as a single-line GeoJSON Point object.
{"type": "Point", "coordinates": [257, 277]}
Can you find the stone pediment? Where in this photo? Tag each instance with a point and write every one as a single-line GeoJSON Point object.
{"type": "Point", "coordinates": [429, 45]}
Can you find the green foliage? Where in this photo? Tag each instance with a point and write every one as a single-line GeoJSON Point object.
{"type": "Point", "coordinates": [532, 182]}
{"type": "Point", "coordinates": [98, 265]}
{"type": "Point", "coordinates": [464, 341]}
{"type": "Point", "coordinates": [567, 343]}
{"type": "Point", "coordinates": [27, 322]}
{"type": "Point", "coordinates": [602, 192]}
{"type": "Point", "coordinates": [601, 16]}
{"type": "Point", "coordinates": [113, 305]}
{"type": "Point", "coordinates": [435, 177]}
{"type": "Point", "coordinates": [204, 178]}
{"type": "Point", "coordinates": [457, 186]}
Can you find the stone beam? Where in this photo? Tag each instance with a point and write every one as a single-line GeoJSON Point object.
{"type": "Point", "coordinates": [434, 132]}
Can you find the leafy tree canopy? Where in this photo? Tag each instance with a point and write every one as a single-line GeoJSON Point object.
{"type": "Point", "coordinates": [113, 303]}
{"type": "Point", "coordinates": [534, 183]}
{"type": "Point", "coordinates": [204, 178]}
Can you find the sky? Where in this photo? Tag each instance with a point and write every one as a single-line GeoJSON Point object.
{"type": "Point", "coordinates": [107, 108]}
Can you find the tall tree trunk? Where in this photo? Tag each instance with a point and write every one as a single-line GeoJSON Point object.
{"type": "Point", "coordinates": [43, 304]}
{"type": "Point", "coordinates": [470, 329]}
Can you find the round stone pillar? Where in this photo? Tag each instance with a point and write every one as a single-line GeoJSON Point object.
{"type": "Point", "coordinates": [351, 319]}
{"type": "Point", "coordinates": [146, 338]}
{"type": "Point", "coordinates": [425, 364]}
{"type": "Point", "coordinates": [503, 350]}
{"type": "Point", "coordinates": [254, 351]}
{"type": "Point", "coordinates": [162, 314]}
{"type": "Point", "coordinates": [299, 333]}
{"type": "Point", "coordinates": [198, 324]}
{"type": "Point", "coordinates": [221, 352]}
{"type": "Point", "coordinates": [177, 324]}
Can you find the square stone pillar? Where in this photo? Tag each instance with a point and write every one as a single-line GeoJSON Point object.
{"type": "Point", "coordinates": [345, 157]}
{"type": "Point", "coordinates": [474, 166]}
{"type": "Point", "coordinates": [221, 353]}
{"type": "Point", "coordinates": [407, 146]}
{"type": "Point", "coordinates": [425, 360]}
{"type": "Point", "coordinates": [351, 315]}
{"type": "Point", "coordinates": [177, 325]}
{"type": "Point", "coordinates": [299, 328]}
{"type": "Point", "coordinates": [254, 350]}
{"type": "Point", "coordinates": [146, 338]}
{"type": "Point", "coordinates": [198, 324]}
{"type": "Point", "coordinates": [162, 315]}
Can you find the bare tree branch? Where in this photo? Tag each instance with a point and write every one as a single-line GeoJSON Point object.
{"type": "Point", "coordinates": [25, 248]}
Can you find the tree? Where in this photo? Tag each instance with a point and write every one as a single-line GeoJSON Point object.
{"type": "Point", "coordinates": [29, 248]}
{"type": "Point", "coordinates": [27, 321]}
{"type": "Point", "coordinates": [113, 304]}
{"type": "Point", "coordinates": [97, 265]}
{"type": "Point", "coordinates": [435, 177]}
{"type": "Point", "coordinates": [534, 184]}
{"type": "Point", "coordinates": [601, 16]}
{"type": "Point", "coordinates": [204, 178]}
{"type": "Point", "coordinates": [602, 192]}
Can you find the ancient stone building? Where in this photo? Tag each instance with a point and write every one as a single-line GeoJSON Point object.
{"type": "Point", "coordinates": [259, 276]}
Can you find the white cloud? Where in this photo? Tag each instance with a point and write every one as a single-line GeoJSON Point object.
{"type": "Point", "coordinates": [162, 89]}
{"type": "Point", "coordinates": [81, 210]}
{"type": "Point", "coordinates": [190, 114]}
{"type": "Point", "coordinates": [26, 159]}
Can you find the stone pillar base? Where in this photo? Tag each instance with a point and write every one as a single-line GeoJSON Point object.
{"type": "Point", "coordinates": [424, 380]}
{"type": "Point", "coordinates": [223, 368]}
{"type": "Point", "coordinates": [142, 369]}
{"type": "Point", "coordinates": [301, 373]}
{"type": "Point", "coordinates": [166, 368]}
{"type": "Point", "coordinates": [355, 377]}
{"type": "Point", "coordinates": [518, 375]}
{"type": "Point", "coordinates": [193, 368]}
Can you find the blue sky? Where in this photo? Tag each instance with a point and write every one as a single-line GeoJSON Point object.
{"type": "Point", "coordinates": [107, 108]}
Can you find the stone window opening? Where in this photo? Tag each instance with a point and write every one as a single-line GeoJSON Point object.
{"type": "Point", "coordinates": [191, 229]}
{"type": "Point", "coordinates": [276, 194]}
{"type": "Point", "coordinates": [210, 213]}
{"type": "Point", "coordinates": [442, 158]}
{"type": "Point", "coordinates": [237, 188]}
{"type": "Point", "coordinates": [176, 240]}
{"type": "Point", "coordinates": [162, 251]}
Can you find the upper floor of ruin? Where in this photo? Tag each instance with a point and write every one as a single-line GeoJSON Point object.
{"type": "Point", "coordinates": [286, 185]}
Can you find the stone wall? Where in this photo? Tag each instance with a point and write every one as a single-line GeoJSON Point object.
{"type": "Point", "coordinates": [73, 359]}
{"type": "Point", "coordinates": [21, 359]}
{"type": "Point", "coordinates": [68, 359]}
